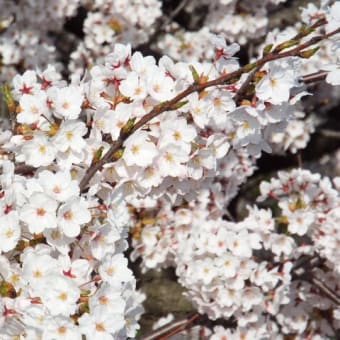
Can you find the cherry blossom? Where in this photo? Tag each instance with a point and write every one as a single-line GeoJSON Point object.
{"type": "Point", "coordinates": [138, 157]}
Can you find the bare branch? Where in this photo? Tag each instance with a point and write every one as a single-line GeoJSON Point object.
{"type": "Point", "coordinates": [314, 77]}
{"type": "Point", "coordinates": [331, 294]}
{"type": "Point", "coordinates": [171, 328]}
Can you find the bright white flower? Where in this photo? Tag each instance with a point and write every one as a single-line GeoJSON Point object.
{"type": "Point", "coordinates": [33, 108]}
{"type": "Point", "coordinates": [170, 161]}
{"type": "Point", "coordinates": [72, 215]}
{"type": "Point", "coordinates": [70, 136]}
{"type": "Point", "coordinates": [59, 294]}
{"type": "Point", "coordinates": [103, 238]}
{"type": "Point", "coordinates": [50, 77]}
{"type": "Point", "coordinates": [333, 17]}
{"type": "Point", "coordinates": [300, 221]}
{"type": "Point", "coordinates": [39, 213]}
{"type": "Point", "coordinates": [199, 110]}
{"type": "Point", "coordinates": [66, 101]}
{"type": "Point", "coordinates": [34, 317]}
{"type": "Point", "coordinates": [113, 120]}
{"type": "Point", "coordinates": [114, 270]}
{"type": "Point", "coordinates": [282, 244]}
{"type": "Point", "coordinates": [108, 297]}
{"type": "Point", "coordinates": [36, 267]}
{"type": "Point", "coordinates": [218, 145]}
{"type": "Point", "coordinates": [177, 132]}
{"type": "Point", "coordinates": [100, 324]}
{"type": "Point", "coordinates": [250, 297]}
{"type": "Point", "coordinates": [202, 159]}
{"type": "Point", "coordinates": [61, 328]}
{"type": "Point", "coordinates": [25, 84]}
{"type": "Point", "coordinates": [228, 265]}
{"type": "Point", "coordinates": [275, 86]}
{"type": "Point", "coordinates": [58, 240]}
{"type": "Point", "coordinates": [160, 87]}
{"type": "Point", "coordinates": [239, 243]}
{"type": "Point", "coordinates": [10, 231]}
{"type": "Point", "coordinates": [119, 57]}
{"type": "Point", "coordinates": [139, 150]}
{"type": "Point", "coordinates": [333, 76]}
{"type": "Point", "coordinates": [205, 270]}
{"type": "Point", "coordinates": [39, 151]}
{"type": "Point", "coordinates": [143, 65]}
{"type": "Point", "coordinates": [59, 186]}
{"type": "Point", "coordinates": [133, 87]}
{"type": "Point", "coordinates": [149, 177]}
{"type": "Point", "coordinates": [221, 48]}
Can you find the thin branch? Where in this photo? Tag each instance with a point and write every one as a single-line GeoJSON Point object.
{"type": "Point", "coordinates": [303, 270]}
{"type": "Point", "coordinates": [162, 24]}
{"type": "Point", "coordinates": [172, 328]}
{"type": "Point", "coordinates": [170, 105]}
{"type": "Point", "coordinates": [173, 14]}
{"type": "Point", "coordinates": [330, 293]}
{"type": "Point", "coordinates": [244, 86]}
{"type": "Point", "coordinates": [330, 133]}
{"type": "Point", "coordinates": [314, 77]}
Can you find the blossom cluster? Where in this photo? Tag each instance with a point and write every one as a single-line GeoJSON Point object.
{"type": "Point", "coordinates": [62, 261]}
{"type": "Point", "coordinates": [244, 269]}
{"type": "Point", "coordinates": [140, 156]}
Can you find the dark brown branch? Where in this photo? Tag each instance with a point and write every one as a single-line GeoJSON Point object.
{"type": "Point", "coordinates": [331, 294]}
{"type": "Point", "coordinates": [196, 87]}
{"type": "Point", "coordinates": [303, 270]}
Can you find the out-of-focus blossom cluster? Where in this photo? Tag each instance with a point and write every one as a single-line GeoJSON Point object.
{"type": "Point", "coordinates": [238, 21]}
{"type": "Point", "coordinates": [25, 35]}
{"type": "Point", "coordinates": [30, 30]}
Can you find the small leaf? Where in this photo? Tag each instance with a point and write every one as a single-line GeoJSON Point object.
{"type": "Point", "coordinates": [97, 155]}
{"type": "Point", "coordinates": [7, 290]}
{"type": "Point", "coordinates": [9, 100]}
{"type": "Point", "coordinates": [128, 126]}
{"type": "Point", "coordinates": [248, 67]}
{"type": "Point", "coordinates": [267, 49]}
{"type": "Point", "coordinates": [286, 44]}
{"type": "Point", "coordinates": [195, 74]}
{"type": "Point", "coordinates": [308, 53]}
{"type": "Point", "coordinates": [118, 154]}
{"type": "Point", "coordinates": [305, 30]}
{"type": "Point", "coordinates": [179, 104]}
